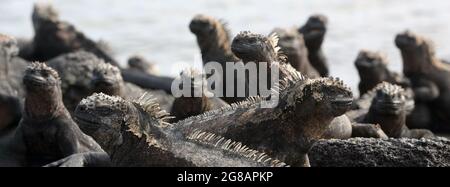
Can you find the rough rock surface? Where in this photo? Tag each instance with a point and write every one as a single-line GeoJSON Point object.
{"type": "Point", "coordinates": [369, 152]}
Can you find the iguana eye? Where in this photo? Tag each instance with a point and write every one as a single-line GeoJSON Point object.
{"type": "Point", "coordinates": [44, 74]}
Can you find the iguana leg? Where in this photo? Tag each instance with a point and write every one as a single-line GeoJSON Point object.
{"type": "Point", "coordinates": [420, 133]}
{"type": "Point", "coordinates": [89, 159]}
{"type": "Point", "coordinates": [305, 161]}
{"type": "Point", "coordinates": [368, 131]}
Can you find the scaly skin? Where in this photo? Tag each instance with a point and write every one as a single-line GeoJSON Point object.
{"type": "Point", "coordinates": [213, 38]}
{"type": "Point", "coordinates": [11, 90]}
{"type": "Point", "coordinates": [388, 110]}
{"type": "Point", "coordinates": [119, 125]}
{"type": "Point", "coordinates": [314, 34]}
{"type": "Point", "coordinates": [46, 129]}
{"type": "Point", "coordinates": [372, 69]}
{"type": "Point", "coordinates": [430, 77]}
{"type": "Point", "coordinates": [286, 132]}
{"type": "Point", "coordinates": [293, 46]}
{"type": "Point", "coordinates": [54, 37]}
{"type": "Point", "coordinates": [187, 106]}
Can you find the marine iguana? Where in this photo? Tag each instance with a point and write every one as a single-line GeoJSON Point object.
{"type": "Point", "coordinates": [252, 47]}
{"type": "Point", "coordinates": [430, 77]}
{"type": "Point", "coordinates": [305, 109]}
{"type": "Point", "coordinates": [213, 38]}
{"type": "Point", "coordinates": [108, 79]}
{"type": "Point", "coordinates": [293, 46]}
{"type": "Point", "coordinates": [136, 133]}
{"type": "Point", "coordinates": [258, 48]}
{"type": "Point", "coordinates": [46, 128]}
{"type": "Point", "coordinates": [192, 105]}
{"type": "Point", "coordinates": [372, 69]}
{"type": "Point", "coordinates": [54, 37]}
{"type": "Point", "coordinates": [369, 152]}
{"type": "Point", "coordinates": [362, 105]}
{"type": "Point", "coordinates": [314, 34]}
{"type": "Point", "coordinates": [76, 72]}
{"type": "Point", "coordinates": [139, 63]}
{"type": "Point", "coordinates": [11, 90]}
{"type": "Point", "coordinates": [388, 110]}
{"type": "Point", "coordinates": [82, 73]}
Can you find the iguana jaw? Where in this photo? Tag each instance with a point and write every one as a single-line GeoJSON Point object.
{"type": "Point", "coordinates": [341, 103]}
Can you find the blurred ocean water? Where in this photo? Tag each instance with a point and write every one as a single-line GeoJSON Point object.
{"type": "Point", "coordinates": [158, 29]}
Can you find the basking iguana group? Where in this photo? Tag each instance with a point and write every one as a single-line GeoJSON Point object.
{"type": "Point", "coordinates": [80, 108]}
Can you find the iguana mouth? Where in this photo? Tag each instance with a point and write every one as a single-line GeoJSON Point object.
{"type": "Point", "coordinates": [342, 102]}
{"type": "Point", "coordinates": [35, 80]}
{"type": "Point", "coordinates": [104, 82]}
{"type": "Point", "coordinates": [365, 64]}
{"type": "Point", "coordinates": [87, 122]}
{"type": "Point", "coordinates": [240, 49]}
{"type": "Point", "coordinates": [404, 41]}
{"type": "Point", "coordinates": [394, 105]}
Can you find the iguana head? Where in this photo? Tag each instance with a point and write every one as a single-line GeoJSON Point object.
{"type": "Point", "coordinates": [42, 13]}
{"type": "Point", "coordinates": [326, 96]}
{"type": "Point", "coordinates": [210, 32]}
{"type": "Point", "coordinates": [315, 28]}
{"type": "Point", "coordinates": [289, 40]}
{"type": "Point", "coordinates": [39, 78]}
{"type": "Point", "coordinates": [409, 41]}
{"type": "Point", "coordinates": [106, 118]}
{"type": "Point", "coordinates": [389, 99]}
{"type": "Point", "coordinates": [107, 79]}
{"type": "Point", "coordinates": [140, 63]}
{"type": "Point", "coordinates": [43, 92]}
{"type": "Point", "coordinates": [417, 52]}
{"type": "Point", "coordinates": [370, 64]}
{"type": "Point", "coordinates": [252, 47]}
{"type": "Point", "coordinates": [195, 103]}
